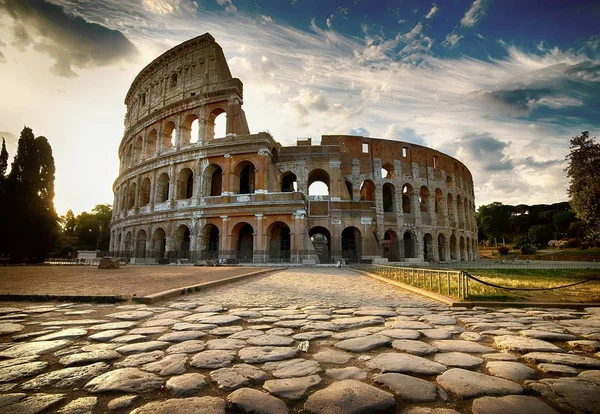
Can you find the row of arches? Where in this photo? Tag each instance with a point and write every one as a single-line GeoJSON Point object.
{"type": "Point", "coordinates": [170, 134]}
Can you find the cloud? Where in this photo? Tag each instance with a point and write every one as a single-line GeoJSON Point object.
{"type": "Point", "coordinates": [452, 40]}
{"type": "Point", "coordinates": [70, 40]}
{"type": "Point", "coordinates": [482, 151]}
{"type": "Point", "coordinates": [360, 131]}
{"type": "Point", "coordinates": [473, 15]}
{"type": "Point", "coordinates": [229, 7]}
{"type": "Point", "coordinates": [165, 7]}
{"type": "Point", "coordinates": [432, 12]}
{"type": "Point", "coordinates": [397, 133]}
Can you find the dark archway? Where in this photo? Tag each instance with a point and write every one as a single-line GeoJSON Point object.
{"type": "Point", "coordinates": [453, 248]}
{"type": "Point", "coordinates": [428, 248]}
{"type": "Point", "coordinates": [212, 180]}
{"type": "Point", "coordinates": [321, 240]}
{"type": "Point", "coordinates": [351, 244]}
{"type": "Point", "coordinates": [245, 244]}
{"type": "Point", "coordinates": [390, 246]}
{"type": "Point", "coordinates": [162, 188]}
{"type": "Point", "coordinates": [389, 198]}
{"type": "Point", "coordinates": [211, 236]}
{"type": "Point", "coordinates": [185, 184]}
{"type": "Point", "coordinates": [279, 242]}
{"type": "Point", "coordinates": [247, 173]}
{"type": "Point", "coordinates": [409, 245]}
{"type": "Point", "coordinates": [159, 243]}
{"type": "Point", "coordinates": [367, 191]}
{"type": "Point", "coordinates": [289, 182]}
{"type": "Point", "coordinates": [442, 247]}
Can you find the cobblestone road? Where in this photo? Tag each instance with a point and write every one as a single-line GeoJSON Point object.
{"type": "Point", "coordinates": [302, 340]}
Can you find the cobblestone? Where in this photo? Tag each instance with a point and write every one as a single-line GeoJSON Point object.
{"type": "Point", "coordinates": [254, 334]}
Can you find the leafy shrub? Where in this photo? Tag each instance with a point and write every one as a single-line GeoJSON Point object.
{"type": "Point", "coordinates": [584, 245]}
{"type": "Point", "coordinates": [572, 242]}
{"type": "Point", "coordinates": [528, 249]}
{"type": "Point", "coordinates": [503, 250]}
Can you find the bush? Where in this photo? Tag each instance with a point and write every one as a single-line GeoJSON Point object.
{"type": "Point", "coordinates": [528, 249]}
{"type": "Point", "coordinates": [563, 244]}
{"type": "Point", "coordinates": [584, 245]}
{"type": "Point", "coordinates": [521, 240]}
{"type": "Point", "coordinates": [503, 250]}
{"type": "Point", "coordinates": [572, 242]}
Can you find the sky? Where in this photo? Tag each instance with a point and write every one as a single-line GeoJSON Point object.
{"type": "Point", "coordinates": [501, 85]}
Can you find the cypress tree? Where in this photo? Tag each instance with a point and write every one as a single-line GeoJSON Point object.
{"type": "Point", "coordinates": [3, 201]}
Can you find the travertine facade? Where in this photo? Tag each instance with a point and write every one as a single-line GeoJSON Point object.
{"type": "Point", "coordinates": [184, 193]}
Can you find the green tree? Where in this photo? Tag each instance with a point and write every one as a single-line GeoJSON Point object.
{"type": "Point", "coordinates": [92, 228]}
{"type": "Point", "coordinates": [4, 213]}
{"type": "Point", "coordinates": [494, 219]}
{"type": "Point", "coordinates": [584, 174]}
{"type": "Point", "coordinates": [540, 234]}
{"type": "Point", "coordinates": [68, 223]}
{"type": "Point", "coordinates": [562, 220]}
{"type": "Point", "coordinates": [33, 227]}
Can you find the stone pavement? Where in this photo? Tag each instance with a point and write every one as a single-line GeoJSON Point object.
{"type": "Point", "coordinates": [301, 340]}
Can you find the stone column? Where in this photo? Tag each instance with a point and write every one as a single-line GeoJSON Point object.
{"type": "Point", "coordinates": [227, 176]}
{"type": "Point", "coordinates": [259, 248]}
{"type": "Point", "coordinates": [172, 185]}
{"type": "Point", "coordinates": [225, 239]}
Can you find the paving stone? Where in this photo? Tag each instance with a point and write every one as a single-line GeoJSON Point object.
{"type": "Point", "coordinates": [112, 325]}
{"type": "Point", "coordinates": [17, 361]}
{"type": "Point", "coordinates": [238, 376]}
{"type": "Point", "coordinates": [187, 347]}
{"type": "Point", "coordinates": [182, 326]}
{"type": "Point", "coordinates": [210, 308]}
{"type": "Point", "coordinates": [332, 356]}
{"type": "Point", "coordinates": [125, 380]}
{"type": "Point", "coordinates": [511, 404]}
{"type": "Point", "coordinates": [170, 365]}
{"type": "Point", "coordinates": [340, 374]}
{"type": "Point", "coordinates": [246, 313]}
{"type": "Point", "coordinates": [89, 357]}
{"type": "Point", "coordinates": [413, 347]}
{"type": "Point", "coordinates": [270, 340]}
{"type": "Point", "coordinates": [428, 410]}
{"type": "Point", "coordinates": [181, 336]}
{"type": "Point", "coordinates": [140, 359]}
{"type": "Point", "coordinates": [292, 323]}
{"type": "Point", "coordinates": [298, 367]}
{"type": "Point", "coordinates": [407, 325]}
{"type": "Point", "coordinates": [186, 385]}
{"type": "Point", "coordinates": [160, 322]}
{"type": "Point", "coordinates": [258, 354]}
{"type": "Point", "coordinates": [309, 336]}
{"type": "Point", "coordinates": [142, 347]}
{"type": "Point", "coordinates": [401, 333]}
{"type": "Point", "coordinates": [436, 333]}
{"type": "Point", "coordinates": [132, 315]}
{"type": "Point", "coordinates": [471, 336]}
{"type": "Point", "coordinates": [457, 359]}
{"type": "Point", "coordinates": [436, 319]}
{"type": "Point", "coordinates": [363, 344]}
{"type": "Point", "coordinates": [153, 330]}
{"type": "Point", "coordinates": [350, 397]}
{"type": "Point", "coordinates": [83, 405]}
{"type": "Point", "coordinates": [66, 377]}
{"type": "Point", "coordinates": [280, 331]}
{"type": "Point", "coordinates": [122, 403]}
{"type": "Point", "coordinates": [395, 362]}
{"type": "Point", "coordinates": [571, 394]}
{"type": "Point", "coordinates": [245, 334]}
{"type": "Point", "coordinates": [356, 333]}
{"type": "Point", "coordinates": [469, 384]}
{"type": "Point", "coordinates": [547, 335]}
{"type": "Point", "coordinates": [407, 387]}
{"type": "Point", "coordinates": [175, 314]}
{"type": "Point", "coordinates": [557, 369]}
{"type": "Point", "coordinates": [231, 344]}
{"type": "Point", "coordinates": [18, 371]}
{"type": "Point", "coordinates": [193, 405]}
{"type": "Point", "coordinates": [357, 322]}
{"type": "Point", "coordinates": [21, 403]}
{"type": "Point", "coordinates": [70, 333]}
{"type": "Point", "coordinates": [106, 336]}
{"type": "Point", "coordinates": [213, 359]}
{"type": "Point", "coordinates": [585, 345]}
{"type": "Point", "coordinates": [220, 319]}
{"type": "Point", "coordinates": [291, 388]}
{"type": "Point", "coordinates": [564, 359]}
{"type": "Point", "coordinates": [500, 356]}
{"type": "Point", "coordinates": [458, 345]}
{"type": "Point", "coordinates": [590, 376]}
{"type": "Point", "coordinates": [249, 400]}
{"type": "Point", "coordinates": [77, 322]}
{"type": "Point", "coordinates": [375, 311]}
{"type": "Point", "coordinates": [34, 348]}
{"type": "Point", "coordinates": [225, 330]}
{"type": "Point", "coordinates": [513, 371]}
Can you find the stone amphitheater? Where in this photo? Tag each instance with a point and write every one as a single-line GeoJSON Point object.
{"type": "Point", "coordinates": [184, 193]}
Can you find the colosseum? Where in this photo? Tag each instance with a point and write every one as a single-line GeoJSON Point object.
{"type": "Point", "coordinates": [184, 193]}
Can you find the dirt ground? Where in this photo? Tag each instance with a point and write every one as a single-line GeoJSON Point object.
{"type": "Point", "coordinates": [127, 282]}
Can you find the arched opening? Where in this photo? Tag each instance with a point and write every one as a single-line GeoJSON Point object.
{"type": "Point", "coordinates": [407, 191]}
{"type": "Point", "coordinates": [453, 248]}
{"type": "Point", "coordinates": [128, 246]}
{"type": "Point", "coordinates": [217, 123]}
{"type": "Point", "coordinates": [468, 246]}
{"type": "Point", "coordinates": [139, 144]}
{"type": "Point", "coordinates": [442, 247]}
{"type": "Point", "coordinates": [424, 199]}
{"type": "Point", "coordinates": [428, 248]}
{"type": "Point", "coordinates": [321, 240]}
{"type": "Point", "coordinates": [450, 206]}
{"type": "Point", "coordinates": [448, 181]}
{"type": "Point", "coordinates": [129, 157]}
{"type": "Point", "coordinates": [211, 247]}
{"type": "Point", "coordinates": [119, 243]}
{"type": "Point", "coordinates": [367, 191]}
{"type": "Point", "coordinates": [185, 184]}
{"type": "Point", "coordinates": [168, 136]}
{"type": "Point", "coordinates": [123, 198]}
{"type": "Point", "coordinates": [244, 242]}
{"type": "Point", "coordinates": [212, 180]}
{"type": "Point", "coordinates": [289, 182]}
{"type": "Point", "coordinates": [189, 130]}
{"type": "Point", "coordinates": [462, 249]}
{"type": "Point", "coordinates": [182, 239]}
{"type": "Point", "coordinates": [145, 192]}
{"type": "Point", "coordinates": [279, 242]}
{"type": "Point", "coordinates": [151, 143]}
{"type": "Point", "coordinates": [474, 250]}
{"type": "Point", "coordinates": [350, 189]}
{"type": "Point", "coordinates": [466, 215]}
{"type": "Point", "coordinates": [162, 188]}
{"type": "Point", "coordinates": [159, 243]}
{"type": "Point", "coordinates": [140, 244]}
{"type": "Point", "coordinates": [318, 182]}
{"type": "Point", "coordinates": [246, 172]}
{"type": "Point", "coordinates": [390, 246]}
{"type": "Point", "coordinates": [387, 171]}
{"type": "Point", "coordinates": [409, 245]}
{"type": "Point", "coordinates": [438, 200]}
{"type": "Point", "coordinates": [389, 198]}
{"type": "Point", "coordinates": [351, 244]}
{"type": "Point", "coordinates": [460, 211]}
{"type": "Point", "coordinates": [132, 195]}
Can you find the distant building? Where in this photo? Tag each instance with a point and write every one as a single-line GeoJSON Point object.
{"type": "Point", "coordinates": [184, 193]}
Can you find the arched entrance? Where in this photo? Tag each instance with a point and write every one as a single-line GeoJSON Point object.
{"type": "Point", "coordinates": [181, 241]}
{"type": "Point", "coordinates": [321, 240]}
{"type": "Point", "coordinates": [390, 246]}
{"type": "Point", "coordinates": [279, 242]}
{"type": "Point", "coordinates": [159, 243]}
{"type": "Point", "coordinates": [244, 243]}
{"type": "Point", "coordinates": [428, 248]}
{"type": "Point", "coordinates": [212, 180]}
{"type": "Point", "coordinates": [453, 248]}
{"type": "Point", "coordinates": [442, 247]}
{"type": "Point", "coordinates": [409, 245]}
{"type": "Point", "coordinates": [211, 242]}
{"type": "Point", "coordinates": [140, 244]}
{"type": "Point", "coordinates": [351, 244]}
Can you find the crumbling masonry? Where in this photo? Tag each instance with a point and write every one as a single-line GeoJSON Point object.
{"type": "Point", "coordinates": [184, 193]}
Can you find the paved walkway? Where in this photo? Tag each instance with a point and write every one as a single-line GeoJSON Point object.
{"type": "Point", "coordinates": [322, 341]}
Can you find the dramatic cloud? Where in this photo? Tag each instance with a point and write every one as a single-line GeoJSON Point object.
{"type": "Point", "coordinates": [473, 15]}
{"type": "Point", "coordinates": [70, 40]}
{"type": "Point", "coordinates": [363, 132]}
{"type": "Point", "coordinates": [482, 151]}
{"type": "Point", "coordinates": [398, 133]}
{"type": "Point", "coordinates": [451, 40]}
{"type": "Point", "coordinates": [432, 12]}
{"type": "Point", "coordinates": [229, 7]}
